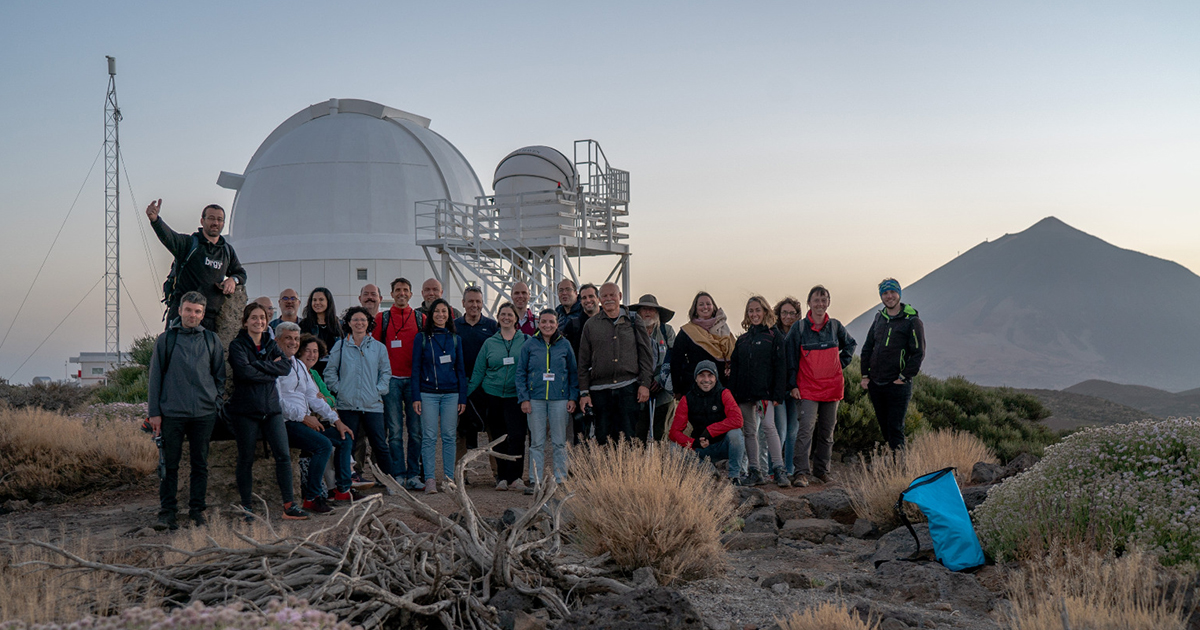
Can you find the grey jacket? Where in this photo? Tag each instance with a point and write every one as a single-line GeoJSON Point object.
{"type": "Point", "coordinates": [359, 375]}
{"type": "Point", "coordinates": [194, 379]}
{"type": "Point", "coordinates": [614, 350]}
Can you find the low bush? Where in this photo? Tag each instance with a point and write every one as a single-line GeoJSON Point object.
{"type": "Point", "coordinates": [1088, 590]}
{"type": "Point", "coordinates": [59, 396]}
{"type": "Point", "coordinates": [126, 384]}
{"type": "Point", "coordinates": [1116, 486]}
{"type": "Point", "coordinates": [875, 483]}
{"type": "Point", "coordinates": [650, 506]}
{"type": "Point", "coordinates": [279, 615]}
{"type": "Point", "coordinates": [112, 412]}
{"type": "Point", "coordinates": [826, 616]}
{"type": "Point", "coordinates": [45, 455]}
{"type": "Point", "coordinates": [1005, 419]}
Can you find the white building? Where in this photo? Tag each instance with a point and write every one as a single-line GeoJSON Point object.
{"type": "Point", "coordinates": [329, 197]}
{"type": "Point", "coordinates": [94, 366]}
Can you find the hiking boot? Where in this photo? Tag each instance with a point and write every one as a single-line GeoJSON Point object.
{"type": "Point", "coordinates": [293, 513]}
{"type": "Point", "coordinates": [800, 480]}
{"type": "Point", "coordinates": [166, 522]}
{"type": "Point", "coordinates": [517, 485]}
{"type": "Point", "coordinates": [827, 477]}
{"type": "Point", "coordinates": [430, 486]}
{"type": "Point", "coordinates": [502, 486]}
{"type": "Point", "coordinates": [317, 506]}
{"type": "Point", "coordinates": [781, 478]}
{"type": "Point", "coordinates": [349, 496]}
{"type": "Point", "coordinates": [737, 481]}
{"type": "Point", "coordinates": [414, 484]}
{"type": "Point", "coordinates": [754, 478]}
{"type": "Point", "coordinates": [198, 519]}
{"type": "Point", "coordinates": [529, 490]}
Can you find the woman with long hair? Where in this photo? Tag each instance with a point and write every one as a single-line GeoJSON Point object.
{"type": "Point", "coordinates": [757, 377]}
{"type": "Point", "coordinates": [818, 349]}
{"type": "Point", "coordinates": [439, 387]}
{"type": "Point", "coordinates": [495, 374]}
{"type": "Point", "coordinates": [787, 415]}
{"type": "Point", "coordinates": [359, 374]}
{"type": "Point", "coordinates": [254, 407]}
{"type": "Point", "coordinates": [320, 320]}
{"type": "Point", "coordinates": [705, 338]}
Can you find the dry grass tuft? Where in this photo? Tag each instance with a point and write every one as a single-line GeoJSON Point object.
{"type": "Point", "coordinates": [826, 616]}
{"type": "Point", "coordinates": [1092, 591]}
{"type": "Point", "coordinates": [44, 454]}
{"type": "Point", "coordinates": [874, 486]}
{"type": "Point", "coordinates": [224, 532]}
{"type": "Point", "coordinates": [36, 592]}
{"type": "Point", "coordinates": [650, 506]}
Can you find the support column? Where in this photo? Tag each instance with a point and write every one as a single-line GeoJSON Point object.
{"type": "Point", "coordinates": [625, 277]}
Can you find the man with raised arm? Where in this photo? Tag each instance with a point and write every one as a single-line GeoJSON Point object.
{"type": "Point", "coordinates": [204, 262]}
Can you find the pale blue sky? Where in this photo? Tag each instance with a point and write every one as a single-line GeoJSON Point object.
{"type": "Point", "coordinates": [771, 146]}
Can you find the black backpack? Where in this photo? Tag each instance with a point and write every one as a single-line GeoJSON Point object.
{"type": "Point", "coordinates": [170, 286]}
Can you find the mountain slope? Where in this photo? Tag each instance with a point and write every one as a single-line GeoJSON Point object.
{"type": "Point", "coordinates": [1154, 401]}
{"type": "Point", "coordinates": [1053, 306]}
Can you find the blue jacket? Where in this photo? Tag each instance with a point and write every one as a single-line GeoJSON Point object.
{"type": "Point", "coordinates": [430, 374]}
{"type": "Point", "coordinates": [537, 357]}
{"type": "Point", "coordinates": [359, 375]}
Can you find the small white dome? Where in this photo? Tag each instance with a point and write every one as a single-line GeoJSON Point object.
{"type": "Point", "coordinates": [533, 169]}
{"type": "Point", "coordinates": [340, 180]}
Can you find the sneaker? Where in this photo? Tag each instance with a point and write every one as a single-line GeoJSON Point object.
{"type": "Point", "coordinates": [502, 486]}
{"type": "Point", "coordinates": [293, 513]}
{"type": "Point", "coordinates": [317, 506]}
{"type": "Point", "coordinates": [465, 479]}
{"type": "Point", "coordinates": [357, 481]}
{"type": "Point", "coordinates": [349, 496]}
{"type": "Point", "coordinates": [247, 513]}
{"type": "Point", "coordinates": [414, 484]}
{"type": "Point", "coordinates": [197, 519]}
{"type": "Point", "coordinates": [166, 522]}
{"type": "Point", "coordinates": [530, 490]}
{"type": "Point", "coordinates": [517, 485]}
{"type": "Point", "coordinates": [737, 481]}
{"type": "Point", "coordinates": [781, 478]}
{"type": "Point", "coordinates": [755, 478]}
{"type": "Point", "coordinates": [827, 477]}
{"type": "Point", "coordinates": [430, 486]}
{"type": "Point", "coordinates": [800, 480]}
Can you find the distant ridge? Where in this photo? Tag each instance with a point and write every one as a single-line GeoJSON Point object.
{"type": "Point", "coordinates": [1154, 401]}
{"type": "Point", "coordinates": [1052, 306]}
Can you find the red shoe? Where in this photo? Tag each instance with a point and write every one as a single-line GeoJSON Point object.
{"type": "Point", "coordinates": [348, 496]}
{"type": "Point", "coordinates": [317, 506]}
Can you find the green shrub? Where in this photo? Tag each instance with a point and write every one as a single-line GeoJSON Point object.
{"type": "Point", "coordinates": [141, 349]}
{"type": "Point", "coordinates": [1116, 486]}
{"type": "Point", "coordinates": [1006, 420]}
{"type": "Point", "coordinates": [126, 384]}
{"type": "Point", "coordinates": [60, 396]}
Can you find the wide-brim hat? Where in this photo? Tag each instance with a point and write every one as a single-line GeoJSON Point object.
{"type": "Point", "coordinates": [649, 301]}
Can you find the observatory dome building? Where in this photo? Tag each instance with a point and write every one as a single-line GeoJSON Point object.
{"type": "Point", "coordinates": [329, 198]}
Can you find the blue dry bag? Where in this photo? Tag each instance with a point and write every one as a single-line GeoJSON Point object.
{"type": "Point", "coordinates": [954, 539]}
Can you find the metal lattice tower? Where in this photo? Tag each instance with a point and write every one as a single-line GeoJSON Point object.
{"type": "Point", "coordinates": [112, 219]}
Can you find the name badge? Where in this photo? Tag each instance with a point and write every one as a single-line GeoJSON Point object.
{"type": "Point", "coordinates": [445, 358]}
{"type": "Point", "coordinates": [397, 343]}
{"type": "Point", "coordinates": [510, 360]}
{"type": "Point", "coordinates": [548, 376]}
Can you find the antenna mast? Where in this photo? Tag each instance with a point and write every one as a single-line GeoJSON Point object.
{"type": "Point", "coordinates": [112, 220]}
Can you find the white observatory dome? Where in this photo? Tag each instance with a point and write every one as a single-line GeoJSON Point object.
{"type": "Point", "coordinates": [329, 197]}
{"type": "Point", "coordinates": [533, 169]}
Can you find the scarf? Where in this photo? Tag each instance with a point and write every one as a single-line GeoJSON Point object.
{"type": "Point", "coordinates": [711, 334]}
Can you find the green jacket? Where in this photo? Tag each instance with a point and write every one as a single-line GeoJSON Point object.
{"type": "Point", "coordinates": [329, 398]}
{"type": "Point", "coordinates": [496, 366]}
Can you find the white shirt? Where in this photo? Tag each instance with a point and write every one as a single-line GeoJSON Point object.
{"type": "Point", "coordinates": [299, 396]}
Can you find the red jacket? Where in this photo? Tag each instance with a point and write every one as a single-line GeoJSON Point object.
{"type": "Point", "coordinates": [402, 328]}
{"type": "Point", "coordinates": [732, 420]}
{"type": "Point", "coordinates": [816, 355]}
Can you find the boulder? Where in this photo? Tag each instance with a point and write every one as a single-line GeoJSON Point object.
{"type": "Point", "coordinates": [791, 578]}
{"type": "Point", "coordinates": [642, 609]}
{"type": "Point", "coordinates": [644, 578]}
{"type": "Point", "coordinates": [747, 542]}
{"type": "Point", "coordinates": [865, 529]}
{"type": "Point", "coordinates": [892, 623]}
{"type": "Point", "coordinates": [898, 544]}
{"type": "Point", "coordinates": [761, 521]}
{"type": "Point", "coordinates": [1020, 464]}
{"type": "Point", "coordinates": [975, 495]}
{"type": "Point", "coordinates": [930, 582]}
{"type": "Point", "coordinates": [811, 529]}
{"type": "Point", "coordinates": [750, 497]}
{"type": "Point", "coordinates": [793, 508]}
{"type": "Point", "coordinates": [832, 504]}
{"type": "Point", "coordinates": [984, 472]}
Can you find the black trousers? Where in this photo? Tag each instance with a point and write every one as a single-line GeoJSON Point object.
{"type": "Point", "coordinates": [502, 416]}
{"type": "Point", "coordinates": [616, 412]}
{"type": "Point", "coordinates": [890, 401]}
{"type": "Point", "coordinates": [246, 430]}
{"type": "Point", "coordinates": [197, 431]}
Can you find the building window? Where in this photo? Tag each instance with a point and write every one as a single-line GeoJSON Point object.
{"type": "Point", "coordinates": [97, 371]}
{"type": "Point", "coordinates": [362, 274]}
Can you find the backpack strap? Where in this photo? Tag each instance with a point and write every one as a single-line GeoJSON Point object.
{"type": "Point", "coordinates": [172, 338]}
{"type": "Point", "coordinates": [385, 319]}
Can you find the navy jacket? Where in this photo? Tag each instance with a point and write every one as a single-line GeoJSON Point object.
{"type": "Point", "coordinates": [433, 375]}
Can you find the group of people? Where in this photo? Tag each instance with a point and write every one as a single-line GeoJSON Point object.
{"type": "Point", "coordinates": [418, 383]}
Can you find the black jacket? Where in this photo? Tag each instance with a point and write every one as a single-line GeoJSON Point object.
{"type": "Point", "coordinates": [574, 330]}
{"type": "Point", "coordinates": [254, 374]}
{"type": "Point", "coordinates": [757, 368]}
{"type": "Point", "coordinates": [685, 356]}
{"type": "Point", "coordinates": [205, 270]}
{"type": "Point", "coordinates": [895, 346]}
{"type": "Point", "coordinates": [193, 380]}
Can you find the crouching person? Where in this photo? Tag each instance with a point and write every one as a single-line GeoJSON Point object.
{"type": "Point", "coordinates": [716, 421]}
{"type": "Point", "coordinates": [312, 425]}
{"type": "Point", "coordinates": [187, 378]}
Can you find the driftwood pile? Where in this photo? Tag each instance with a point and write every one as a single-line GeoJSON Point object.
{"type": "Point", "coordinates": [385, 574]}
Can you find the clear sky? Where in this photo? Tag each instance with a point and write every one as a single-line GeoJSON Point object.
{"type": "Point", "coordinates": [771, 146]}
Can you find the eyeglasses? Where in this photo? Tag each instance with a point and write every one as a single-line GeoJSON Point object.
{"type": "Point", "coordinates": [289, 299]}
{"type": "Point", "coordinates": [788, 314]}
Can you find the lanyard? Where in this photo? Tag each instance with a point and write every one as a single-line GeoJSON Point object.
{"type": "Point", "coordinates": [403, 320]}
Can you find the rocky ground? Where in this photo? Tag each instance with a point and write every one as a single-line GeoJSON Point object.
{"type": "Point", "coordinates": [798, 546]}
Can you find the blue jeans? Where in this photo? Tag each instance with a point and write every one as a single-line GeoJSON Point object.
{"type": "Point", "coordinates": [370, 422]}
{"type": "Point", "coordinates": [321, 445]}
{"type": "Point", "coordinates": [541, 414]}
{"type": "Point", "coordinates": [731, 448]}
{"type": "Point", "coordinates": [439, 416]}
{"type": "Point", "coordinates": [399, 397]}
{"type": "Point", "coordinates": [787, 423]}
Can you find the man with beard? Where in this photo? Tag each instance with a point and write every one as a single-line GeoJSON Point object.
{"type": "Point", "coordinates": [204, 262]}
{"type": "Point", "coordinates": [654, 413]}
{"type": "Point", "coordinates": [369, 298]}
{"type": "Point", "coordinates": [289, 305]}
{"type": "Point", "coordinates": [615, 364]}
